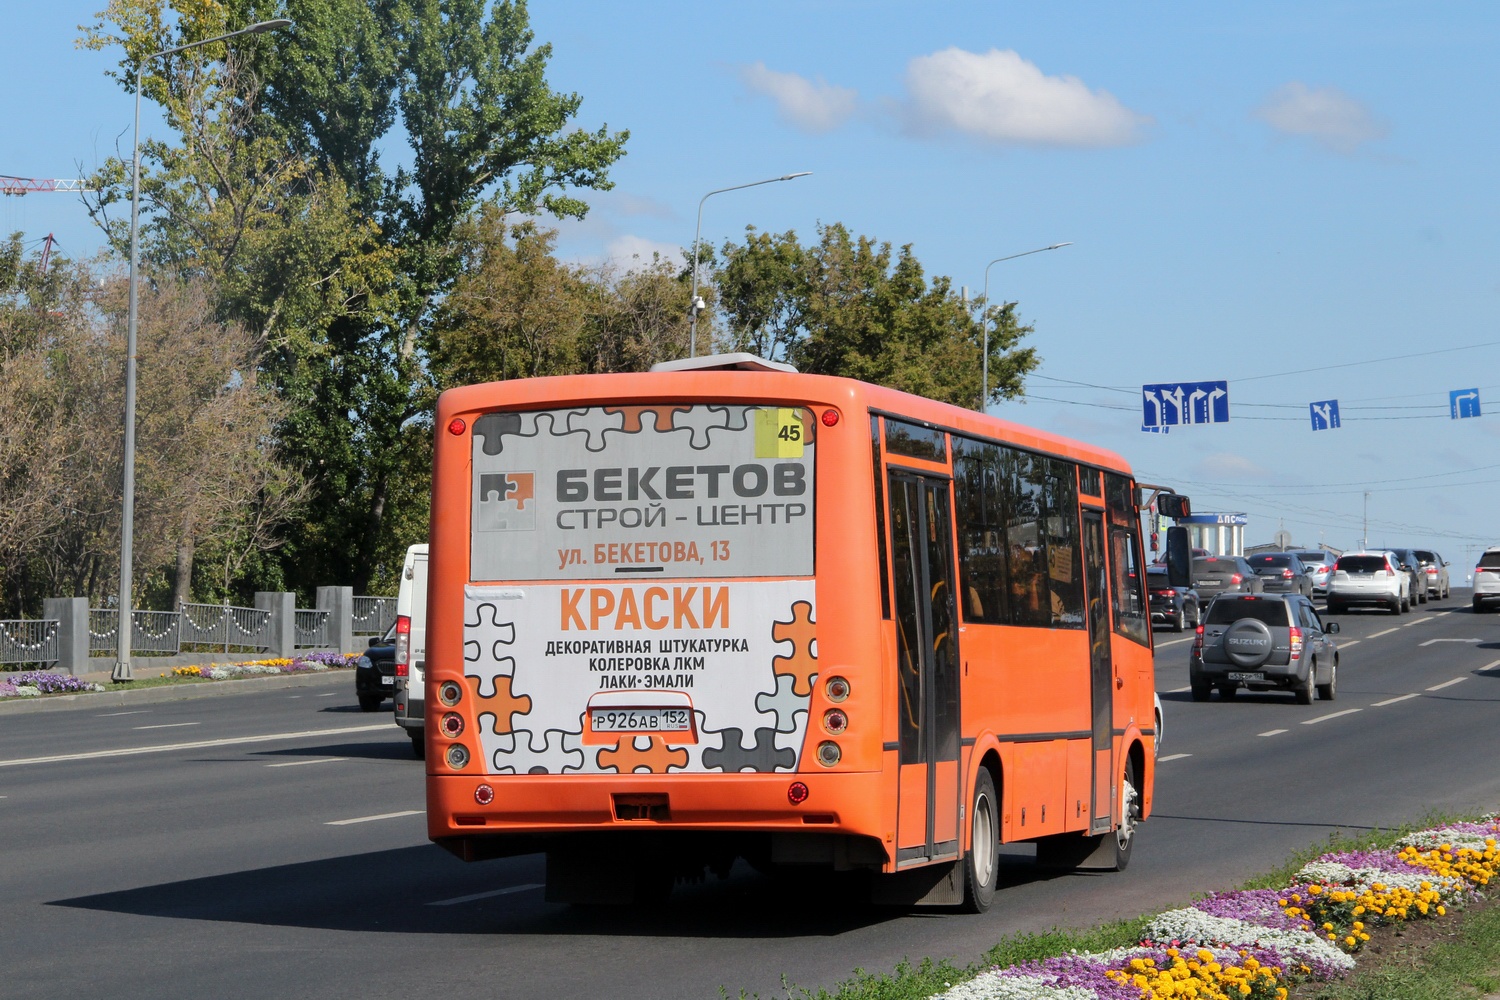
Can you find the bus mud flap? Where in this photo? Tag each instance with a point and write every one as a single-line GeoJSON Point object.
{"type": "Point", "coordinates": [1077, 851]}
{"type": "Point", "coordinates": [931, 885]}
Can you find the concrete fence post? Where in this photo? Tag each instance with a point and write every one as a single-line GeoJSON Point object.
{"type": "Point", "coordinates": [339, 603]}
{"type": "Point", "coordinates": [282, 638]}
{"type": "Point", "coordinates": [72, 617]}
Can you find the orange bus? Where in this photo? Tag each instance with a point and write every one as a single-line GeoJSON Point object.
{"type": "Point", "coordinates": [724, 610]}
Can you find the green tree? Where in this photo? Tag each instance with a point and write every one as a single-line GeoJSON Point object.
{"type": "Point", "coordinates": [847, 306]}
{"type": "Point", "coordinates": [465, 83]}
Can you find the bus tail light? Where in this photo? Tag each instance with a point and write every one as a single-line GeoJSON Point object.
{"type": "Point", "coordinates": [452, 725]}
{"type": "Point", "coordinates": [837, 689]}
{"type": "Point", "coordinates": [450, 693]}
{"type": "Point", "coordinates": [829, 753]}
{"type": "Point", "coordinates": [830, 417]}
{"type": "Point", "coordinates": [835, 721]}
{"type": "Point", "coordinates": [403, 645]}
{"type": "Point", "coordinates": [796, 793]}
{"type": "Point", "coordinates": [457, 426]}
{"type": "Point", "coordinates": [484, 795]}
{"type": "Point", "coordinates": [458, 756]}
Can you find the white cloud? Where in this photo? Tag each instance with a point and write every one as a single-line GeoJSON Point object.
{"type": "Point", "coordinates": [1327, 116]}
{"type": "Point", "coordinates": [633, 251]}
{"type": "Point", "coordinates": [1001, 98]}
{"type": "Point", "coordinates": [812, 106]}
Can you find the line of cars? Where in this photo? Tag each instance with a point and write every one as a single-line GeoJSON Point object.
{"type": "Point", "coordinates": [393, 665]}
{"type": "Point", "coordinates": [1256, 626]}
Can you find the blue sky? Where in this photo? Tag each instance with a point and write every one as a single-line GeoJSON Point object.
{"type": "Point", "coordinates": [1250, 189]}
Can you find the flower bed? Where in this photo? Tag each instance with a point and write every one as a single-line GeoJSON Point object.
{"type": "Point", "coordinates": [35, 683]}
{"type": "Point", "coordinates": [1257, 943]}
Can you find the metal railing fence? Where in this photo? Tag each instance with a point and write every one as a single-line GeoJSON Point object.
{"type": "Point", "coordinates": [225, 628]}
{"type": "Point", "coordinates": [310, 628]}
{"type": "Point", "coordinates": [373, 615]}
{"type": "Point", "coordinates": [29, 641]}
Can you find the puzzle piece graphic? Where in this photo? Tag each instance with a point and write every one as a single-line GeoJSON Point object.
{"type": "Point", "coordinates": [485, 637]}
{"type": "Point", "coordinates": [734, 756]}
{"type": "Point", "coordinates": [802, 633]}
{"type": "Point", "coordinates": [700, 420]}
{"type": "Point", "coordinates": [492, 428]}
{"type": "Point", "coordinates": [784, 704]}
{"type": "Point", "coordinates": [629, 756]}
{"type": "Point", "coordinates": [559, 753]}
{"type": "Point", "coordinates": [737, 418]}
{"type": "Point", "coordinates": [664, 416]}
{"type": "Point", "coordinates": [594, 422]}
{"type": "Point", "coordinates": [502, 706]}
{"type": "Point", "coordinates": [502, 486]}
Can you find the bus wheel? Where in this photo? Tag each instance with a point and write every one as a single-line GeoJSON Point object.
{"type": "Point", "coordinates": [1130, 816]}
{"type": "Point", "coordinates": [982, 866]}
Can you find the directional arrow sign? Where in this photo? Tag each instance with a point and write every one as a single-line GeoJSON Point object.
{"type": "Point", "coordinates": [1325, 415]}
{"type": "Point", "coordinates": [1463, 403]}
{"type": "Point", "coordinates": [1165, 404]}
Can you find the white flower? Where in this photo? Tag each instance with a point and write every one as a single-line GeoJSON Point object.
{"type": "Point", "coordinates": [1194, 925]}
{"type": "Point", "coordinates": [994, 985]}
{"type": "Point", "coordinates": [28, 690]}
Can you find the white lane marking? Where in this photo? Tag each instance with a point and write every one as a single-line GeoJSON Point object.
{"type": "Point", "coordinates": [1429, 642]}
{"type": "Point", "coordinates": [1173, 642]}
{"type": "Point", "coordinates": [1418, 622]}
{"type": "Point", "coordinates": [1377, 635]}
{"type": "Point", "coordinates": [170, 725]}
{"type": "Point", "coordinates": [1180, 690]}
{"type": "Point", "coordinates": [1392, 701]}
{"type": "Point", "coordinates": [1447, 684]}
{"type": "Point", "coordinates": [1273, 732]}
{"type": "Point", "coordinates": [1173, 756]}
{"type": "Point", "coordinates": [196, 745]}
{"type": "Point", "coordinates": [486, 895]}
{"type": "Point", "coordinates": [372, 819]}
{"type": "Point", "coordinates": [1346, 643]}
{"type": "Point", "coordinates": [111, 715]}
{"type": "Point", "coordinates": [330, 694]}
{"type": "Point", "coordinates": [1488, 666]}
{"type": "Point", "coordinates": [299, 763]}
{"type": "Point", "coordinates": [1331, 715]}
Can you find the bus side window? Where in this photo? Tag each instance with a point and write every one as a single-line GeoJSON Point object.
{"type": "Point", "coordinates": [1131, 618]}
{"type": "Point", "coordinates": [885, 573]}
{"type": "Point", "coordinates": [981, 550]}
{"type": "Point", "coordinates": [1064, 568]}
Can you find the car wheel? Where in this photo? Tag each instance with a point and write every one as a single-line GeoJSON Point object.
{"type": "Point", "coordinates": [1476, 605]}
{"type": "Point", "coordinates": [1424, 597]}
{"type": "Point", "coordinates": [1180, 622]}
{"type": "Point", "coordinates": [1130, 816]}
{"type": "Point", "coordinates": [369, 702]}
{"type": "Point", "coordinates": [982, 866]}
{"type": "Point", "coordinates": [1329, 690]}
{"type": "Point", "coordinates": [1201, 690]}
{"type": "Point", "coordinates": [1396, 606]}
{"type": "Point", "coordinates": [1227, 690]}
{"type": "Point", "coordinates": [1405, 604]}
{"type": "Point", "coordinates": [1308, 688]}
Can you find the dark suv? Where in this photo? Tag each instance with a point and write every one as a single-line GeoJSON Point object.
{"type": "Point", "coordinates": [1176, 607]}
{"type": "Point", "coordinates": [1214, 575]}
{"type": "Point", "coordinates": [1264, 642]}
{"type": "Point", "coordinates": [1281, 573]}
{"type": "Point", "coordinates": [375, 671]}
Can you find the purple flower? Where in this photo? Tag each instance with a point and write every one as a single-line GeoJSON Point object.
{"type": "Point", "coordinates": [1076, 970]}
{"type": "Point", "coordinates": [1254, 906]}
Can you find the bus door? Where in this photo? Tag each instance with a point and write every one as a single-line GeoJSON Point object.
{"type": "Point", "coordinates": [927, 651]}
{"type": "Point", "coordinates": [1101, 671]}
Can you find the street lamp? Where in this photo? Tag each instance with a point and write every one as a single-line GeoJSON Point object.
{"type": "Point", "coordinates": [984, 364]}
{"type": "Point", "coordinates": [127, 523]}
{"type": "Point", "coordinates": [695, 304]}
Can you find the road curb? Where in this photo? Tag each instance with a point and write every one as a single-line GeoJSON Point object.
{"type": "Point", "coordinates": [174, 692]}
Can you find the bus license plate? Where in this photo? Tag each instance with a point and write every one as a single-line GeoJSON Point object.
{"type": "Point", "coordinates": [1247, 677]}
{"type": "Point", "coordinates": [641, 720]}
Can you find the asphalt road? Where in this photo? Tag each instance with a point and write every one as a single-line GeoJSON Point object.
{"type": "Point", "coordinates": [277, 848]}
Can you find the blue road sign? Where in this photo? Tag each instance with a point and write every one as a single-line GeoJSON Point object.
{"type": "Point", "coordinates": [1325, 415]}
{"type": "Point", "coordinates": [1463, 403]}
{"type": "Point", "coordinates": [1169, 403]}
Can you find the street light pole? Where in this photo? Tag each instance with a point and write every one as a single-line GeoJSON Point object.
{"type": "Point", "coordinates": [696, 305]}
{"type": "Point", "coordinates": [122, 671]}
{"type": "Point", "coordinates": [984, 364]}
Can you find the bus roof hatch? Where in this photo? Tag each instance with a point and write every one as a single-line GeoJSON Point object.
{"type": "Point", "coordinates": [740, 361]}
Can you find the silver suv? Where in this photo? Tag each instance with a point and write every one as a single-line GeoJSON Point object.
{"type": "Point", "coordinates": [1264, 642]}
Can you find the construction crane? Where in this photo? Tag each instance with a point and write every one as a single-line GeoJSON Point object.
{"type": "Point", "coordinates": [35, 185]}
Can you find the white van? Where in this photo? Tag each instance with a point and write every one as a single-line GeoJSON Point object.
{"type": "Point", "coordinates": [411, 647]}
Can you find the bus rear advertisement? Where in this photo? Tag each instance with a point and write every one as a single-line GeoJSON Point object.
{"type": "Point", "coordinates": [729, 611]}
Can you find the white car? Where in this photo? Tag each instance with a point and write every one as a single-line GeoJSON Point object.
{"type": "Point", "coordinates": [1487, 578]}
{"type": "Point", "coordinates": [1319, 563]}
{"type": "Point", "coordinates": [1373, 578]}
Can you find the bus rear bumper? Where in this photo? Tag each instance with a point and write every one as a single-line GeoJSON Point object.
{"type": "Point", "coordinates": [531, 813]}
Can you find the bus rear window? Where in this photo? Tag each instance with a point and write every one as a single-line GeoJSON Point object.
{"type": "Point", "coordinates": [632, 492]}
